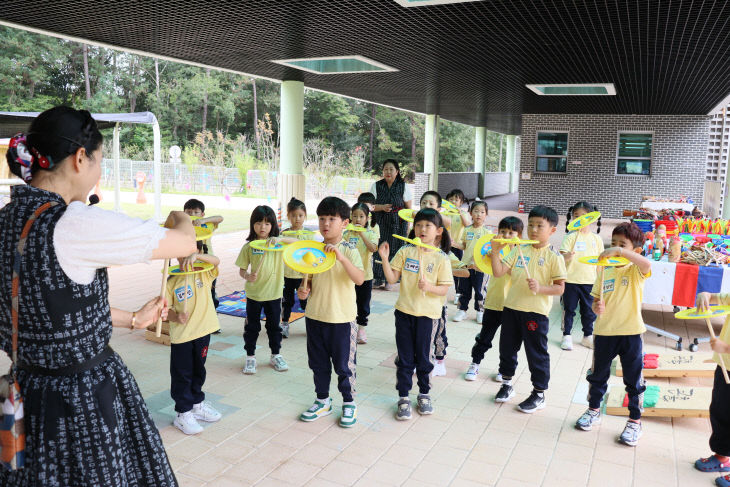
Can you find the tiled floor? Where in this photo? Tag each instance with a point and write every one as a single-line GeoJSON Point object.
{"type": "Point", "coordinates": [468, 441]}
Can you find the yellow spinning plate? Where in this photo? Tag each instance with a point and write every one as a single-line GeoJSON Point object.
{"type": "Point", "coordinates": [407, 214]}
{"type": "Point", "coordinates": [482, 248]}
{"type": "Point", "coordinates": [198, 267]}
{"type": "Point", "coordinates": [203, 233]}
{"type": "Point", "coordinates": [298, 233]}
{"type": "Point", "coordinates": [692, 314]}
{"type": "Point", "coordinates": [449, 209]}
{"type": "Point", "coordinates": [308, 257]}
{"type": "Point", "coordinates": [515, 241]}
{"type": "Point", "coordinates": [416, 241]}
{"type": "Point", "coordinates": [262, 245]}
{"type": "Point", "coordinates": [354, 228]}
{"type": "Point", "coordinates": [584, 221]}
{"type": "Point", "coordinates": [610, 262]}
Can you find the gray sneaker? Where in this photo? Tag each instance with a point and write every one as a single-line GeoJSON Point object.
{"type": "Point", "coordinates": [404, 410]}
{"type": "Point", "coordinates": [250, 367]}
{"type": "Point", "coordinates": [278, 363]}
{"type": "Point", "coordinates": [589, 418]}
{"type": "Point", "coordinates": [424, 404]}
{"type": "Point", "coordinates": [631, 434]}
{"type": "Point", "coordinates": [284, 329]}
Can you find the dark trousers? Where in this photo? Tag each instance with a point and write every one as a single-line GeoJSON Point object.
{"type": "Point", "coordinates": [475, 282]}
{"type": "Point", "coordinates": [187, 372]}
{"type": "Point", "coordinates": [363, 293]}
{"type": "Point", "coordinates": [272, 311]}
{"type": "Point", "coordinates": [629, 350]}
{"type": "Point", "coordinates": [457, 280]}
{"type": "Point", "coordinates": [212, 293]}
{"type": "Point", "coordinates": [332, 345]}
{"type": "Point", "coordinates": [483, 341]}
{"type": "Point", "coordinates": [287, 300]}
{"type": "Point", "coordinates": [413, 338]}
{"type": "Point", "coordinates": [574, 295]}
{"type": "Point", "coordinates": [520, 327]}
{"type": "Point", "coordinates": [440, 342]}
{"type": "Point", "coordinates": [720, 415]}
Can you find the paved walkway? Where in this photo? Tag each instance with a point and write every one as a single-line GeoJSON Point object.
{"type": "Point", "coordinates": [468, 441]}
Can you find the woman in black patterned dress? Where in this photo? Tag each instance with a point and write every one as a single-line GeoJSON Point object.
{"type": "Point", "coordinates": [391, 195]}
{"type": "Point", "coordinates": [86, 422]}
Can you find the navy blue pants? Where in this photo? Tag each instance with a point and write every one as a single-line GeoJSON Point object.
{"type": "Point", "coordinates": [287, 300]}
{"type": "Point", "coordinates": [187, 372]}
{"type": "Point", "coordinates": [459, 254]}
{"type": "Point", "coordinates": [575, 295]}
{"type": "Point", "coordinates": [440, 342]}
{"type": "Point", "coordinates": [520, 327]}
{"type": "Point", "coordinates": [212, 293]}
{"type": "Point", "coordinates": [363, 293]}
{"type": "Point", "coordinates": [413, 338]}
{"type": "Point", "coordinates": [272, 311]}
{"type": "Point", "coordinates": [720, 415]}
{"type": "Point", "coordinates": [483, 341]}
{"type": "Point", "coordinates": [474, 282]}
{"type": "Point", "coordinates": [332, 345]}
{"type": "Point", "coordinates": [629, 350]}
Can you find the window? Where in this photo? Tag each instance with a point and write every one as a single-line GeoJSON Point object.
{"type": "Point", "coordinates": [633, 155]}
{"type": "Point", "coordinates": [552, 152]}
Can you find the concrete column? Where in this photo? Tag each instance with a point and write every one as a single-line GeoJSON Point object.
{"type": "Point", "coordinates": [511, 163]}
{"type": "Point", "coordinates": [291, 166]}
{"type": "Point", "coordinates": [431, 151]}
{"type": "Point", "coordinates": [480, 149]}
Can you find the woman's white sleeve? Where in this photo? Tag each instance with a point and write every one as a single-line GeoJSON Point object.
{"type": "Point", "coordinates": [407, 193]}
{"type": "Point", "coordinates": [374, 190]}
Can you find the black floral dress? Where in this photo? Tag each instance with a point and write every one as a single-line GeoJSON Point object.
{"type": "Point", "coordinates": [88, 429]}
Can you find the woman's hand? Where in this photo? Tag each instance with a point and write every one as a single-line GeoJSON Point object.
{"type": "Point", "coordinates": [151, 312]}
{"type": "Point", "coordinates": [386, 207]}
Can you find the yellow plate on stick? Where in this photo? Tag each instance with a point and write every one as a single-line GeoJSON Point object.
{"type": "Point", "coordinates": [407, 214]}
{"type": "Point", "coordinates": [482, 248]}
{"type": "Point", "coordinates": [308, 257]}
{"type": "Point", "coordinates": [263, 245]}
{"type": "Point", "coordinates": [515, 241]}
{"type": "Point", "coordinates": [584, 221]}
{"type": "Point", "coordinates": [693, 314]}
{"type": "Point", "coordinates": [416, 241]}
{"type": "Point", "coordinates": [298, 233]}
{"type": "Point", "coordinates": [354, 228]}
{"type": "Point", "coordinates": [610, 262]}
{"type": "Point", "coordinates": [198, 267]}
{"type": "Point", "coordinates": [203, 233]}
{"type": "Point", "coordinates": [449, 209]}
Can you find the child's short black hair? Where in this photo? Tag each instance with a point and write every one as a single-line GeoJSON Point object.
{"type": "Point", "coordinates": [333, 206]}
{"type": "Point", "coordinates": [546, 213]}
{"type": "Point", "coordinates": [434, 194]}
{"type": "Point", "coordinates": [631, 231]}
{"type": "Point", "coordinates": [368, 198]}
{"type": "Point", "coordinates": [295, 204]}
{"type": "Point", "coordinates": [511, 223]}
{"type": "Point", "coordinates": [458, 193]}
{"type": "Point", "coordinates": [193, 204]}
{"type": "Point", "coordinates": [263, 213]}
{"type": "Point", "coordinates": [433, 216]}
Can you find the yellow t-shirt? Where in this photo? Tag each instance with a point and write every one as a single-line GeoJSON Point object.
{"type": "Point", "coordinates": [372, 234]}
{"type": "Point", "coordinates": [724, 335]}
{"type": "Point", "coordinates": [290, 273]}
{"type": "Point", "coordinates": [587, 245]}
{"type": "Point", "coordinates": [202, 318]}
{"type": "Point", "coordinates": [468, 238]}
{"type": "Point", "coordinates": [209, 242]}
{"type": "Point", "coordinates": [270, 282]}
{"type": "Point", "coordinates": [332, 299]}
{"type": "Point", "coordinates": [496, 291]}
{"type": "Point", "coordinates": [436, 270]}
{"type": "Point", "coordinates": [455, 227]}
{"type": "Point", "coordinates": [456, 264]}
{"type": "Point", "coordinates": [546, 265]}
{"type": "Point", "coordinates": [623, 291]}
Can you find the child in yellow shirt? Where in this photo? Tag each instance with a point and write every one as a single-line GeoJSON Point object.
{"type": "Point", "coordinates": [189, 339]}
{"type": "Point", "coordinates": [457, 198]}
{"type": "Point", "coordinates": [618, 329]}
{"type": "Point", "coordinates": [296, 213]}
{"type": "Point", "coordinates": [509, 227]}
{"type": "Point", "coordinates": [194, 207]}
{"type": "Point", "coordinates": [527, 304]}
{"type": "Point", "coordinates": [330, 316]}
{"type": "Point", "coordinates": [577, 244]}
{"type": "Point", "coordinates": [425, 279]}
{"type": "Point", "coordinates": [366, 243]}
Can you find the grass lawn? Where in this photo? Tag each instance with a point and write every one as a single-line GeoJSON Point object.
{"type": "Point", "coordinates": [233, 220]}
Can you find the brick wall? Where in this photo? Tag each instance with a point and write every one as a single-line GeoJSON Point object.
{"type": "Point", "coordinates": [678, 166]}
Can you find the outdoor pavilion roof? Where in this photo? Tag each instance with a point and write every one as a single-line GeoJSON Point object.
{"type": "Point", "coordinates": [468, 62]}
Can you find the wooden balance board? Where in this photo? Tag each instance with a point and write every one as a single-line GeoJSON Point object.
{"type": "Point", "coordinates": [673, 402]}
{"type": "Point", "coordinates": [675, 364]}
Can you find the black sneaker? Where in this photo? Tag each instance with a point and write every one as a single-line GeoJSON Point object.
{"type": "Point", "coordinates": [505, 393]}
{"type": "Point", "coordinates": [533, 403]}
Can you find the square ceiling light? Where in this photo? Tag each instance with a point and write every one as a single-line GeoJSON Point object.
{"type": "Point", "coordinates": [336, 65]}
{"type": "Point", "coordinates": [423, 3]}
{"type": "Point", "coordinates": [593, 89]}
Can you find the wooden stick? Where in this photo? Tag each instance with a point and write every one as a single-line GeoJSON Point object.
{"type": "Point", "coordinates": [163, 291]}
{"type": "Point", "coordinates": [600, 289]}
{"type": "Point", "coordinates": [185, 300]}
{"type": "Point", "coordinates": [524, 264]}
{"type": "Point", "coordinates": [261, 263]}
{"type": "Point", "coordinates": [303, 286]}
{"type": "Point", "coordinates": [719, 355]}
{"type": "Point", "coordinates": [420, 267]}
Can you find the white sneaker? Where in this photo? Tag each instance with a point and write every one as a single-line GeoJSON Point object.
{"type": "Point", "coordinates": [456, 299]}
{"type": "Point", "coordinates": [472, 373]}
{"type": "Point", "coordinates": [480, 316]}
{"type": "Point", "coordinates": [497, 377]}
{"type": "Point", "coordinates": [187, 423]}
{"type": "Point", "coordinates": [567, 343]}
{"type": "Point", "coordinates": [439, 369]}
{"type": "Point", "coordinates": [278, 363]}
{"type": "Point", "coordinates": [459, 316]}
{"type": "Point", "coordinates": [205, 412]}
{"type": "Point", "coordinates": [587, 341]}
{"type": "Point", "coordinates": [250, 366]}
